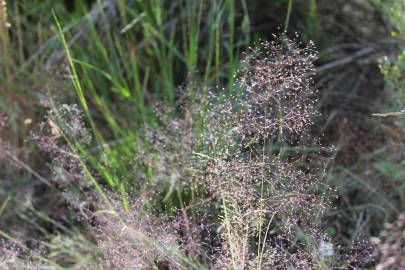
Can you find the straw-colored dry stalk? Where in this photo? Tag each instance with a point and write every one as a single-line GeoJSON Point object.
{"type": "Point", "coordinates": [4, 38]}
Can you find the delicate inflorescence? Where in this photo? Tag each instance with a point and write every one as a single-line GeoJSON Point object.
{"type": "Point", "coordinates": [242, 190]}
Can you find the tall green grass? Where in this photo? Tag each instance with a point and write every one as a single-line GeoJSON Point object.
{"type": "Point", "coordinates": [123, 65]}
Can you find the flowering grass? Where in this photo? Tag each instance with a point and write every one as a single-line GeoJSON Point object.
{"type": "Point", "coordinates": [119, 167]}
{"type": "Point", "coordinates": [239, 190]}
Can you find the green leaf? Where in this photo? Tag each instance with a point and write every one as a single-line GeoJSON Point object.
{"type": "Point", "coordinates": [330, 231]}
{"type": "Point", "coordinates": [392, 170]}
